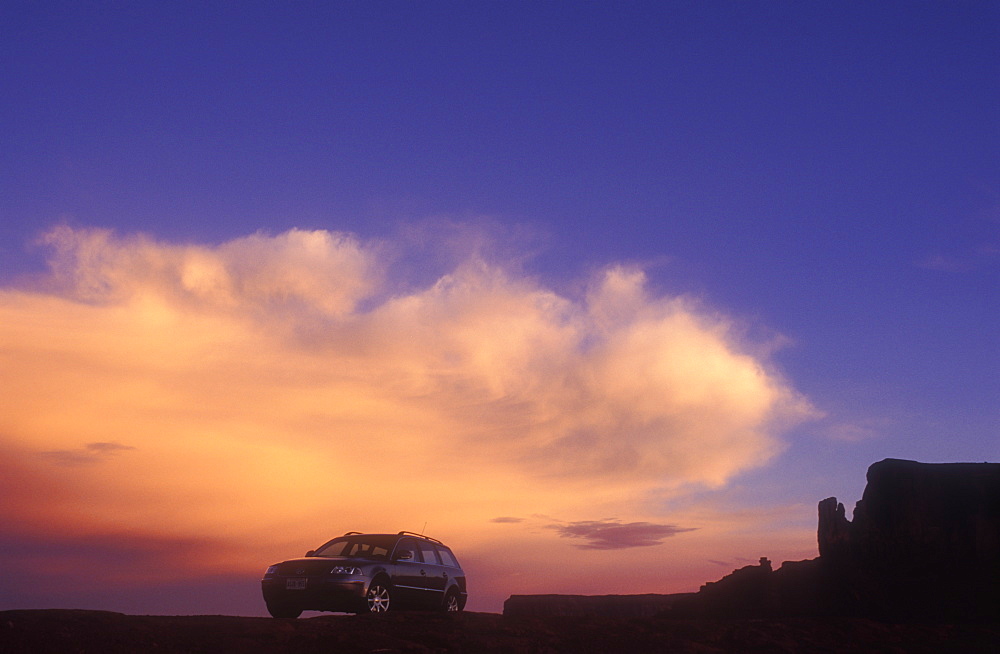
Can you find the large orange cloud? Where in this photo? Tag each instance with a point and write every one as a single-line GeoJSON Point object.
{"type": "Point", "coordinates": [272, 390]}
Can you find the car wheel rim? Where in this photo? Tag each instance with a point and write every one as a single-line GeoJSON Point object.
{"type": "Point", "coordinates": [378, 599]}
{"type": "Point", "coordinates": [452, 603]}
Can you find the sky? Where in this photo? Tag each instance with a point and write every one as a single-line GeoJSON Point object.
{"type": "Point", "coordinates": [604, 295]}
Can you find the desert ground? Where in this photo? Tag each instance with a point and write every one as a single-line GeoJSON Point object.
{"type": "Point", "coordinates": [76, 631]}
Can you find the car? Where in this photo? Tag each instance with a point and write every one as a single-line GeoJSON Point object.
{"type": "Point", "coordinates": [357, 573]}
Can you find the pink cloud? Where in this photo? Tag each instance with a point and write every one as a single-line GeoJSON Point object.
{"type": "Point", "coordinates": [616, 535]}
{"type": "Point", "coordinates": [88, 454]}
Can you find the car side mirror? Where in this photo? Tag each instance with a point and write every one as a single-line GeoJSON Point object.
{"type": "Point", "coordinates": [311, 553]}
{"type": "Point", "coordinates": [404, 555]}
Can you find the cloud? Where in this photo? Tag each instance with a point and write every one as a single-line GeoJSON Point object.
{"type": "Point", "coordinates": [507, 520]}
{"type": "Point", "coordinates": [980, 257]}
{"type": "Point", "coordinates": [90, 453]}
{"type": "Point", "coordinates": [615, 535]}
{"type": "Point", "coordinates": [852, 433]}
{"type": "Point", "coordinates": [317, 271]}
{"type": "Point", "coordinates": [618, 381]}
{"type": "Point", "coordinates": [268, 380]}
{"type": "Point", "coordinates": [943, 263]}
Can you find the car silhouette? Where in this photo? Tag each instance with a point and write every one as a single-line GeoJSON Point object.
{"type": "Point", "coordinates": [357, 573]}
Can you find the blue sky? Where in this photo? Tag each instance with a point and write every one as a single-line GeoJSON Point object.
{"type": "Point", "coordinates": [822, 178]}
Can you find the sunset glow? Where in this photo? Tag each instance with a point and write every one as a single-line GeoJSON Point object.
{"type": "Point", "coordinates": [606, 296]}
{"type": "Point", "coordinates": [167, 392]}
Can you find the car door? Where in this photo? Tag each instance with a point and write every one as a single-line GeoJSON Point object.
{"type": "Point", "coordinates": [408, 582]}
{"type": "Point", "coordinates": [433, 574]}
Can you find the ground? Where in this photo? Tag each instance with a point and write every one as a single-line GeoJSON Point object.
{"type": "Point", "coordinates": [69, 631]}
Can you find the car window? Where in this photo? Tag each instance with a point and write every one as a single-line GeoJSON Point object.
{"type": "Point", "coordinates": [365, 549]}
{"type": "Point", "coordinates": [336, 547]}
{"type": "Point", "coordinates": [428, 552]}
{"type": "Point", "coordinates": [373, 547]}
{"type": "Point", "coordinates": [447, 557]}
{"type": "Point", "coordinates": [407, 544]}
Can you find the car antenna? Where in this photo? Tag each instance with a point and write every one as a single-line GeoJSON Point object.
{"type": "Point", "coordinates": [423, 530]}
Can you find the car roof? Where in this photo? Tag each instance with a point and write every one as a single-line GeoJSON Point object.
{"type": "Point", "coordinates": [401, 533]}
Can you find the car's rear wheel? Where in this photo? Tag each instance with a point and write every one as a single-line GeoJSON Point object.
{"type": "Point", "coordinates": [378, 597]}
{"type": "Point", "coordinates": [283, 611]}
{"type": "Point", "coordinates": [451, 602]}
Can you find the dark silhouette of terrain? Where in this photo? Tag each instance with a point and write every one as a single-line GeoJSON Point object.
{"type": "Point", "coordinates": [924, 545]}
{"type": "Point", "coordinates": [916, 570]}
{"type": "Point", "coordinates": [620, 606]}
{"type": "Point", "coordinates": [65, 632]}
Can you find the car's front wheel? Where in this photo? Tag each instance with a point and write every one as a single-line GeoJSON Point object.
{"type": "Point", "coordinates": [378, 597]}
{"type": "Point", "coordinates": [283, 611]}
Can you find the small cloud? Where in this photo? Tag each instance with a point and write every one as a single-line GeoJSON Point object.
{"type": "Point", "coordinates": [859, 431]}
{"type": "Point", "coordinates": [507, 520]}
{"type": "Point", "coordinates": [89, 454]}
{"type": "Point", "coordinates": [615, 535]}
{"type": "Point", "coordinates": [107, 448]}
{"type": "Point", "coordinates": [979, 257]}
{"type": "Point", "coordinates": [944, 263]}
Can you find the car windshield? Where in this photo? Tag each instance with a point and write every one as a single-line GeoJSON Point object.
{"type": "Point", "coordinates": [361, 546]}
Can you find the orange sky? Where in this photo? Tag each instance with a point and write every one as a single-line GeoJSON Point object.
{"type": "Point", "coordinates": [222, 407]}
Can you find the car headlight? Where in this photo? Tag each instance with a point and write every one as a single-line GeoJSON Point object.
{"type": "Point", "coordinates": [345, 570]}
{"type": "Point", "coordinates": [271, 570]}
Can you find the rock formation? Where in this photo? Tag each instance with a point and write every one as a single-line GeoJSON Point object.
{"type": "Point", "coordinates": [924, 545]}
{"type": "Point", "coordinates": [924, 542]}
